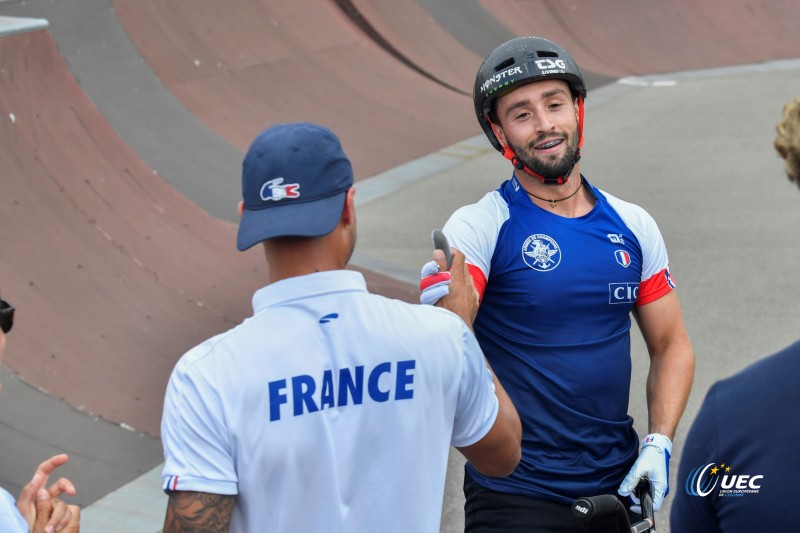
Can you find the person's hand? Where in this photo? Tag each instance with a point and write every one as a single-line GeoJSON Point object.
{"type": "Point", "coordinates": [653, 463]}
{"type": "Point", "coordinates": [462, 297]}
{"type": "Point", "coordinates": [32, 496]}
{"type": "Point", "coordinates": [53, 515]}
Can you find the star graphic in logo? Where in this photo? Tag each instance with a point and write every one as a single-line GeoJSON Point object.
{"type": "Point", "coordinates": [714, 470]}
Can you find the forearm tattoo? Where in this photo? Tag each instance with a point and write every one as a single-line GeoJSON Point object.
{"type": "Point", "coordinates": [198, 512]}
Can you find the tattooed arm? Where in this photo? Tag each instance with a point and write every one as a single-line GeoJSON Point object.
{"type": "Point", "coordinates": [198, 512]}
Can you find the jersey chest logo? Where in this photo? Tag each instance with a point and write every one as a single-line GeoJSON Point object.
{"type": "Point", "coordinates": [541, 252]}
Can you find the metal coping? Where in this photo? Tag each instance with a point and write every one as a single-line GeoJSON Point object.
{"type": "Point", "coordinates": [13, 25]}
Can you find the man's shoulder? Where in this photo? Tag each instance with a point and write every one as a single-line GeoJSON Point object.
{"type": "Point", "coordinates": [202, 353]}
{"type": "Point", "coordinates": [634, 216]}
{"type": "Point", "coordinates": [754, 398]}
{"type": "Point", "coordinates": [482, 218]}
{"type": "Point", "coordinates": [622, 206]}
{"type": "Point", "coordinates": [418, 312]}
{"type": "Point", "coordinates": [778, 371]}
{"type": "Point", "coordinates": [490, 204]}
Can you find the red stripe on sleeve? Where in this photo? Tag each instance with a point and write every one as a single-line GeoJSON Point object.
{"type": "Point", "coordinates": [478, 278]}
{"type": "Point", "coordinates": [655, 287]}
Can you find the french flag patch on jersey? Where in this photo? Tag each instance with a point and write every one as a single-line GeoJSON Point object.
{"type": "Point", "coordinates": [623, 258]}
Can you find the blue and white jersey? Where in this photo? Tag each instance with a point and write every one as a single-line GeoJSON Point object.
{"type": "Point", "coordinates": [330, 409]}
{"type": "Point", "coordinates": [554, 323]}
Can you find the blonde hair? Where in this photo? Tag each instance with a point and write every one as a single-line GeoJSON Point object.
{"type": "Point", "coordinates": [787, 142]}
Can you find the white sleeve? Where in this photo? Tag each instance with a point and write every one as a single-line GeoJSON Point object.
{"type": "Point", "coordinates": [473, 230]}
{"type": "Point", "coordinates": [10, 519]}
{"type": "Point", "coordinates": [644, 227]}
{"type": "Point", "coordinates": [477, 401]}
{"type": "Point", "coordinates": [197, 454]}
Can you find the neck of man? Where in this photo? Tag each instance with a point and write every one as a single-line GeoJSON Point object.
{"type": "Point", "coordinates": [298, 256]}
{"type": "Point", "coordinates": [579, 204]}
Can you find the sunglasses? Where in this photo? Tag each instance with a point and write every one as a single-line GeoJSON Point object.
{"type": "Point", "coordinates": [6, 316]}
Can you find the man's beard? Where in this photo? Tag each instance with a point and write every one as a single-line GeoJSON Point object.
{"type": "Point", "coordinates": [549, 170]}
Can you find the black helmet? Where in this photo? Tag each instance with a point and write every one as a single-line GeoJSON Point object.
{"type": "Point", "coordinates": [516, 62]}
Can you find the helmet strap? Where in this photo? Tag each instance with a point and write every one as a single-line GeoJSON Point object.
{"type": "Point", "coordinates": [509, 154]}
{"type": "Point", "coordinates": [580, 126]}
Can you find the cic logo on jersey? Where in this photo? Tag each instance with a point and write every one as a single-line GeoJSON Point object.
{"type": "Point", "coordinates": [704, 479]}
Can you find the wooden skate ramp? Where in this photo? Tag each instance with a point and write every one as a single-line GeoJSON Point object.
{"type": "Point", "coordinates": [264, 62]}
{"type": "Point", "coordinates": [630, 37]}
{"type": "Point", "coordinates": [115, 274]}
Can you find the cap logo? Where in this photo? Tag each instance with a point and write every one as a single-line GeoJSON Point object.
{"type": "Point", "coordinates": [273, 190]}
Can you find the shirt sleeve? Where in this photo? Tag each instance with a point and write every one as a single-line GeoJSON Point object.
{"type": "Point", "coordinates": [477, 401]}
{"type": "Point", "coordinates": [10, 519]}
{"type": "Point", "coordinates": [656, 280]}
{"type": "Point", "coordinates": [197, 451]}
{"type": "Point", "coordinates": [473, 230]}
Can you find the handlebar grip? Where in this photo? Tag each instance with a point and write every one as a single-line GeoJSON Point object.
{"type": "Point", "coordinates": [604, 504]}
{"type": "Point", "coordinates": [646, 499]}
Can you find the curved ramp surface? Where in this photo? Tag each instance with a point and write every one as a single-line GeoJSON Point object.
{"type": "Point", "coordinates": [116, 274]}
{"type": "Point", "coordinates": [628, 37]}
{"type": "Point", "coordinates": [265, 62]}
{"type": "Point", "coordinates": [174, 143]}
{"type": "Point", "coordinates": [408, 31]}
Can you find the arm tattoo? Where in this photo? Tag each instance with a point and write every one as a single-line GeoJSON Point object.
{"type": "Point", "coordinates": [198, 512]}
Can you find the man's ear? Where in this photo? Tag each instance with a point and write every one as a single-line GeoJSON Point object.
{"type": "Point", "coordinates": [498, 132]}
{"type": "Point", "coordinates": [349, 209]}
{"type": "Point", "coordinates": [240, 208]}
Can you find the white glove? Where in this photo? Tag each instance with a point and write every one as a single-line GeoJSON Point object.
{"type": "Point", "coordinates": [653, 463]}
{"type": "Point", "coordinates": [433, 284]}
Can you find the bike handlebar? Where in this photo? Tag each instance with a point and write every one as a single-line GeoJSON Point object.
{"type": "Point", "coordinates": [607, 504]}
{"type": "Point", "coordinates": [596, 506]}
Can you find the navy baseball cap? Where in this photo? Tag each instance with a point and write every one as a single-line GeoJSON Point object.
{"type": "Point", "coordinates": [294, 181]}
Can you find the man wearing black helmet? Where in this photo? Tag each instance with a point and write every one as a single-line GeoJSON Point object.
{"type": "Point", "coordinates": [560, 265]}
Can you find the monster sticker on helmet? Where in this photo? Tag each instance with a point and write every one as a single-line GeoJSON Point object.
{"type": "Point", "coordinates": [501, 76]}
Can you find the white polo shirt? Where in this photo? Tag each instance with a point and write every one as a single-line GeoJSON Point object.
{"type": "Point", "coordinates": [330, 409]}
{"type": "Point", "coordinates": [10, 519]}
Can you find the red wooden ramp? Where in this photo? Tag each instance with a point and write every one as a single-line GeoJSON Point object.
{"type": "Point", "coordinates": [114, 272]}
